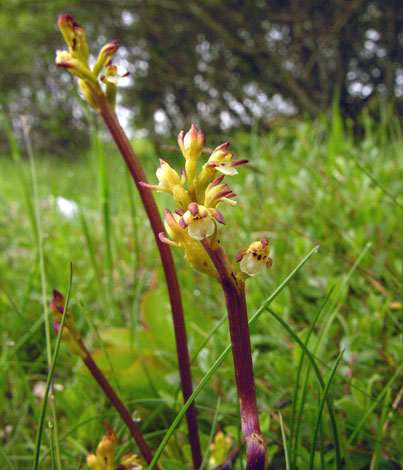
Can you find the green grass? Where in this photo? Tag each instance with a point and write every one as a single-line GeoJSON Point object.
{"type": "Point", "coordinates": [307, 184]}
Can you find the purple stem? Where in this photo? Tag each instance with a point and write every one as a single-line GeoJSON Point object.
{"type": "Point", "coordinates": [117, 403]}
{"type": "Point", "coordinates": [122, 142]}
{"type": "Point", "coordinates": [234, 291]}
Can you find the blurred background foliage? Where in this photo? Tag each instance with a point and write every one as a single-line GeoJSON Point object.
{"type": "Point", "coordinates": [221, 63]}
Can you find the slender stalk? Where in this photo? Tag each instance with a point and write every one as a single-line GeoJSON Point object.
{"type": "Point", "coordinates": [122, 142]}
{"type": "Point", "coordinates": [116, 402]}
{"type": "Point", "coordinates": [234, 291]}
{"type": "Point", "coordinates": [52, 366]}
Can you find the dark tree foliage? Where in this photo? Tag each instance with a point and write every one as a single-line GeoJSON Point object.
{"type": "Point", "coordinates": [218, 63]}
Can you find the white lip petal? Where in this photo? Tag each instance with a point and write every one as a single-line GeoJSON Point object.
{"type": "Point", "coordinates": [202, 228]}
{"type": "Point", "coordinates": [227, 170]}
{"type": "Point", "coordinates": [250, 265]}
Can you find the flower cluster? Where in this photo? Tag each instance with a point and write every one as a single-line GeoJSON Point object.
{"type": "Point", "coordinates": [76, 60]}
{"type": "Point", "coordinates": [197, 197]}
{"type": "Point", "coordinates": [104, 458]}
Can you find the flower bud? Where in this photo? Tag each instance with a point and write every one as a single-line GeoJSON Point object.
{"type": "Point", "coordinates": [71, 335]}
{"type": "Point", "coordinates": [131, 461]}
{"type": "Point", "coordinates": [66, 25]}
{"type": "Point", "coordinates": [104, 56]}
{"type": "Point", "coordinates": [93, 462]}
{"type": "Point", "coordinates": [106, 449]}
{"type": "Point", "coordinates": [217, 193]}
{"type": "Point", "coordinates": [74, 36]}
{"type": "Point", "coordinates": [65, 60]}
{"type": "Point", "coordinates": [170, 182]}
{"type": "Point", "coordinates": [191, 143]}
{"type": "Point", "coordinates": [167, 176]}
{"type": "Point", "coordinates": [255, 258]}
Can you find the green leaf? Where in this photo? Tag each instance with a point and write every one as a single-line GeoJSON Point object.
{"type": "Point", "coordinates": [116, 336]}
{"type": "Point", "coordinates": [142, 375]}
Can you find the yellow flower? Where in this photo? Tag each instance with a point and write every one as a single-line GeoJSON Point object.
{"type": "Point", "coordinates": [255, 258]}
{"type": "Point", "coordinates": [74, 36]}
{"type": "Point", "coordinates": [199, 221]}
{"type": "Point", "coordinates": [194, 253]}
{"type": "Point", "coordinates": [217, 193]}
{"type": "Point", "coordinates": [106, 450]}
{"type": "Point", "coordinates": [167, 177]}
{"type": "Point", "coordinates": [130, 461]}
{"type": "Point", "coordinates": [104, 56]}
{"type": "Point", "coordinates": [94, 463]}
{"type": "Point", "coordinates": [75, 66]}
{"type": "Point", "coordinates": [220, 161]}
{"type": "Point", "coordinates": [170, 182]}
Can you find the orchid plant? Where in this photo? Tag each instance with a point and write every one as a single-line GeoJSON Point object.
{"type": "Point", "coordinates": [192, 226]}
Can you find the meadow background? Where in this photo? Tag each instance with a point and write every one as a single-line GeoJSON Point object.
{"type": "Point", "coordinates": [331, 178]}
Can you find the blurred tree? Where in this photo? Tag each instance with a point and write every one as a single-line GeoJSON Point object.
{"type": "Point", "coordinates": [220, 63]}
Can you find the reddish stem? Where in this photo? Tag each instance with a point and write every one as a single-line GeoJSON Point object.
{"type": "Point", "coordinates": [117, 403]}
{"type": "Point", "coordinates": [121, 140]}
{"type": "Point", "coordinates": [234, 291]}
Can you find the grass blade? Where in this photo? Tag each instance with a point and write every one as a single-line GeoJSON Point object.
{"type": "Point", "coordinates": [322, 384]}
{"type": "Point", "coordinates": [323, 399]}
{"type": "Point", "coordinates": [377, 452]}
{"type": "Point", "coordinates": [374, 404]}
{"type": "Point", "coordinates": [299, 371]}
{"type": "Point", "coordinates": [334, 308]}
{"type": "Point", "coordinates": [50, 375]}
{"type": "Point", "coordinates": [6, 459]}
{"type": "Point", "coordinates": [284, 437]}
